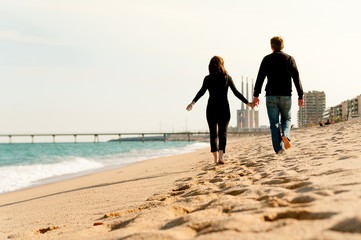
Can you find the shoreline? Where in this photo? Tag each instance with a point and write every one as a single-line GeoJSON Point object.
{"type": "Point", "coordinates": [311, 192]}
{"type": "Point", "coordinates": [119, 162]}
{"type": "Point", "coordinates": [104, 169]}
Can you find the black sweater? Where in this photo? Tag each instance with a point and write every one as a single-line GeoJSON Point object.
{"type": "Point", "coordinates": [279, 68]}
{"type": "Point", "coordinates": [217, 85]}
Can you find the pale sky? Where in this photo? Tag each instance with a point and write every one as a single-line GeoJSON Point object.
{"type": "Point", "coordinates": [133, 66]}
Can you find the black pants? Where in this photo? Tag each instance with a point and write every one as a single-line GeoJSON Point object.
{"type": "Point", "coordinates": [218, 117]}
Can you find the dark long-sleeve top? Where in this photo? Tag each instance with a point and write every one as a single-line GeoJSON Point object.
{"type": "Point", "coordinates": [217, 85]}
{"type": "Point", "coordinates": [279, 68]}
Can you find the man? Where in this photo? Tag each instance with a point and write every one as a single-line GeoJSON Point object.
{"type": "Point", "coordinates": [279, 68]}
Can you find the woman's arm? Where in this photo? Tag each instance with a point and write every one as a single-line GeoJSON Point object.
{"type": "Point", "coordinates": [236, 92]}
{"type": "Point", "coordinates": [200, 93]}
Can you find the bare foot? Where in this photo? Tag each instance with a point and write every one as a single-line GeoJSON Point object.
{"type": "Point", "coordinates": [215, 157]}
{"type": "Point", "coordinates": [220, 159]}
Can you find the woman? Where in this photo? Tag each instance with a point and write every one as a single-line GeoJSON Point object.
{"type": "Point", "coordinates": [218, 114]}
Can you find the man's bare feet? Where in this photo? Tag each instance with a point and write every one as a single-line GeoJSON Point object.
{"type": "Point", "coordinates": [280, 152]}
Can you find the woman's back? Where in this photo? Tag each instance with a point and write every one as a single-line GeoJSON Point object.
{"type": "Point", "coordinates": [217, 85]}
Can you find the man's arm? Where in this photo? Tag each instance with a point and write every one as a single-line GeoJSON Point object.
{"type": "Point", "coordinates": [260, 79]}
{"type": "Point", "coordinates": [296, 78]}
{"type": "Point", "coordinates": [259, 82]}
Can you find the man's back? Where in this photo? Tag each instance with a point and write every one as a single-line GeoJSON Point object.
{"type": "Point", "coordinates": [279, 68]}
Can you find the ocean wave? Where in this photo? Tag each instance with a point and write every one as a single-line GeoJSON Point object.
{"type": "Point", "coordinates": [16, 177]}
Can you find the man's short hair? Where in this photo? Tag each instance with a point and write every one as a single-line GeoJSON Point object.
{"type": "Point", "coordinates": [277, 43]}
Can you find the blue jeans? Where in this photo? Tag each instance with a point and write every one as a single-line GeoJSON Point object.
{"type": "Point", "coordinates": [279, 106]}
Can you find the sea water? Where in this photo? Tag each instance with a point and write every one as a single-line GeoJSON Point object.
{"type": "Point", "coordinates": [24, 164]}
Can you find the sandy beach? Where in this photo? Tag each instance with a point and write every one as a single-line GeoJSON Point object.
{"type": "Point", "coordinates": [311, 192]}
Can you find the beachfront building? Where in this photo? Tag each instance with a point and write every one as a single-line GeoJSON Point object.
{"type": "Point", "coordinates": [347, 109]}
{"type": "Point", "coordinates": [332, 113]}
{"type": "Point", "coordinates": [247, 118]}
{"type": "Point", "coordinates": [329, 113]}
{"type": "Point", "coordinates": [313, 110]}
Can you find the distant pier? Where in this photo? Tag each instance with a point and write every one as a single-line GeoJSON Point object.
{"type": "Point", "coordinates": [150, 136]}
{"type": "Point", "coordinates": [188, 136]}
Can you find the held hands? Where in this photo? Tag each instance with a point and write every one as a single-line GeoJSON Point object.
{"type": "Point", "coordinates": [256, 101]}
{"type": "Point", "coordinates": [251, 104]}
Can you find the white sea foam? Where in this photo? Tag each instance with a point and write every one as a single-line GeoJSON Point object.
{"type": "Point", "coordinates": [21, 176]}
{"type": "Point", "coordinates": [16, 177]}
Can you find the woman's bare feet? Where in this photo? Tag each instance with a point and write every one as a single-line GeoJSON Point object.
{"type": "Point", "coordinates": [220, 159]}
{"type": "Point", "coordinates": [215, 157]}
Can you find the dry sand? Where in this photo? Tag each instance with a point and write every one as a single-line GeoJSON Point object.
{"type": "Point", "coordinates": [311, 192]}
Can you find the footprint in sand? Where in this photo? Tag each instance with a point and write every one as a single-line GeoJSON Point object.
{"type": "Point", "coordinates": [297, 185]}
{"type": "Point", "coordinates": [181, 188]}
{"type": "Point", "coordinates": [303, 199]}
{"type": "Point", "coordinates": [157, 197]}
{"type": "Point", "coordinates": [299, 215]}
{"type": "Point", "coordinates": [235, 191]}
{"type": "Point", "coordinates": [351, 225]}
{"type": "Point", "coordinates": [273, 201]}
{"type": "Point", "coordinates": [347, 157]}
{"type": "Point", "coordinates": [45, 230]}
{"type": "Point", "coordinates": [329, 172]}
{"type": "Point", "coordinates": [216, 179]}
{"type": "Point", "coordinates": [341, 191]}
{"type": "Point", "coordinates": [149, 235]}
{"type": "Point", "coordinates": [121, 224]}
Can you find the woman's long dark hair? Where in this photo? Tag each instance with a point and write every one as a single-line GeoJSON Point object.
{"type": "Point", "coordinates": [216, 66]}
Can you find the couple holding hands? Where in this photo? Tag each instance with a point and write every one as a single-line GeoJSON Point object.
{"type": "Point", "coordinates": [280, 69]}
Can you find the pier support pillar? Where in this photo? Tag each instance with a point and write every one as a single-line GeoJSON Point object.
{"type": "Point", "coordinates": [10, 140]}
{"type": "Point", "coordinates": [189, 137]}
{"type": "Point", "coordinates": [53, 138]}
{"type": "Point", "coordinates": [32, 138]}
{"type": "Point", "coordinates": [143, 137]}
{"type": "Point", "coordinates": [96, 138]}
{"type": "Point", "coordinates": [74, 138]}
{"type": "Point", "coordinates": [120, 138]}
{"type": "Point", "coordinates": [165, 137]}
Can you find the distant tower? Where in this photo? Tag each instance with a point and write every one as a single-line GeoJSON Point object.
{"type": "Point", "coordinates": [242, 93]}
{"type": "Point", "coordinates": [247, 90]}
{"type": "Point", "coordinates": [242, 113]}
{"type": "Point", "coordinates": [252, 87]}
{"type": "Point", "coordinates": [251, 112]}
{"type": "Point", "coordinates": [247, 118]}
